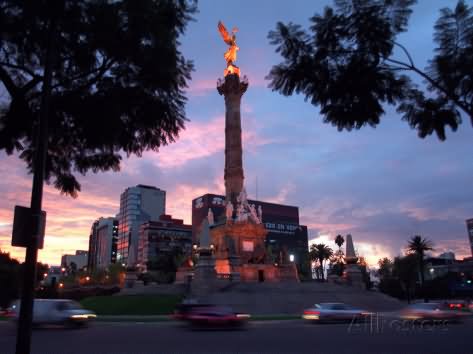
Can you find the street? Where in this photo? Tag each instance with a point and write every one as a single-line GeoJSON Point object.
{"type": "Point", "coordinates": [388, 336]}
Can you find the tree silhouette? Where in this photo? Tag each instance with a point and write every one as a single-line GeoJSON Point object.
{"type": "Point", "coordinates": [320, 253]}
{"type": "Point", "coordinates": [339, 240]}
{"type": "Point", "coordinates": [117, 81]}
{"type": "Point", "coordinates": [346, 65]}
{"type": "Point", "coordinates": [418, 246]}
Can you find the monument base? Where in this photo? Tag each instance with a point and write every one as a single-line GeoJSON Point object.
{"type": "Point", "coordinates": [241, 254]}
{"type": "Point", "coordinates": [353, 276]}
{"type": "Point", "coordinates": [204, 279]}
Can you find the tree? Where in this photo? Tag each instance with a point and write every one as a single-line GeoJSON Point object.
{"type": "Point", "coordinates": [117, 81]}
{"type": "Point", "coordinates": [9, 279]}
{"type": "Point", "coordinates": [418, 246]}
{"type": "Point", "coordinates": [385, 269]}
{"type": "Point", "coordinates": [349, 65]}
{"type": "Point", "coordinates": [320, 252]}
{"type": "Point", "coordinates": [339, 240]}
{"type": "Point", "coordinates": [405, 269]}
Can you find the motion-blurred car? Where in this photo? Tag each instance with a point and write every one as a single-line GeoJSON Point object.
{"type": "Point", "coordinates": [431, 311]}
{"type": "Point", "coordinates": [57, 311]}
{"type": "Point", "coordinates": [7, 313]}
{"type": "Point", "coordinates": [328, 312]}
{"type": "Point", "coordinates": [459, 305]}
{"type": "Point", "coordinates": [215, 317]}
{"type": "Point", "coordinates": [182, 311]}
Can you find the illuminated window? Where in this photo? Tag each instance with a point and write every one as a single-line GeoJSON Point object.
{"type": "Point", "coordinates": [248, 246]}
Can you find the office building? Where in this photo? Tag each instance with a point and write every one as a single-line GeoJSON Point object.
{"type": "Point", "coordinates": [103, 243]}
{"type": "Point", "coordinates": [138, 205]}
{"type": "Point", "coordinates": [285, 235]}
{"type": "Point", "coordinates": [167, 235]}
{"type": "Point", "coordinates": [79, 259]}
{"type": "Point", "coordinates": [469, 227]}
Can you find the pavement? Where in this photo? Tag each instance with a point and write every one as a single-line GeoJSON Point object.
{"type": "Point", "coordinates": [294, 336]}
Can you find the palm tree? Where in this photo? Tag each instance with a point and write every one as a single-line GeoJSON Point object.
{"type": "Point", "coordinates": [339, 240]}
{"type": "Point", "coordinates": [320, 252]}
{"type": "Point", "coordinates": [418, 246]}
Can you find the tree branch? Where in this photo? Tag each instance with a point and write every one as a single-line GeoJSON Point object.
{"type": "Point", "coordinates": [405, 52]}
{"type": "Point", "coordinates": [18, 67]}
{"type": "Point", "coordinates": [8, 82]}
{"type": "Point", "coordinates": [102, 69]}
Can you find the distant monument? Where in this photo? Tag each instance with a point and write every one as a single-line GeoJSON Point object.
{"type": "Point", "coordinates": [352, 273]}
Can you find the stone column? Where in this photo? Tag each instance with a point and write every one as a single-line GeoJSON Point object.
{"type": "Point", "coordinates": [233, 89]}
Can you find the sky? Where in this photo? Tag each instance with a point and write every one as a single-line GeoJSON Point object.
{"type": "Point", "coordinates": [383, 185]}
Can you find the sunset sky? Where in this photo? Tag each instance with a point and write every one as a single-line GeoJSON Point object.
{"type": "Point", "coordinates": [382, 185]}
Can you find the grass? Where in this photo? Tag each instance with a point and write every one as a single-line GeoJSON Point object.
{"type": "Point", "coordinates": [132, 305]}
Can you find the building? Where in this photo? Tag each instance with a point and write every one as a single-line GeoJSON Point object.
{"type": "Point", "coordinates": [138, 205]}
{"type": "Point", "coordinates": [103, 243]}
{"type": "Point", "coordinates": [92, 258]}
{"type": "Point", "coordinates": [163, 236]}
{"type": "Point", "coordinates": [285, 235]}
{"type": "Point", "coordinates": [79, 259]}
{"type": "Point", "coordinates": [469, 227]}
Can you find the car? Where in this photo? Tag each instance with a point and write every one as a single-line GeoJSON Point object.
{"type": "Point", "coordinates": [459, 305]}
{"type": "Point", "coordinates": [57, 311]}
{"type": "Point", "coordinates": [334, 312]}
{"type": "Point", "coordinates": [431, 311]}
{"type": "Point", "coordinates": [215, 317]}
{"type": "Point", "coordinates": [182, 311]}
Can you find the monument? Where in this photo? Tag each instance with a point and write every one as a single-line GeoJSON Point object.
{"type": "Point", "coordinates": [352, 273]}
{"type": "Point", "coordinates": [238, 239]}
{"type": "Point", "coordinates": [204, 271]}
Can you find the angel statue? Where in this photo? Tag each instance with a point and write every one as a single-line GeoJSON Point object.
{"type": "Point", "coordinates": [231, 54]}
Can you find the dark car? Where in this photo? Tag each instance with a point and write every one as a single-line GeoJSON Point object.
{"type": "Point", "coordinates": [431, 311]}
{"type": "Point", "coordinates": [182, 311]}
{"type": "Point", "coordinates": [216, 317]}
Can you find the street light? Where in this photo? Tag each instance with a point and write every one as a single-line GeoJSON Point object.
{"type": "Point", "coordinates": [291, 258]}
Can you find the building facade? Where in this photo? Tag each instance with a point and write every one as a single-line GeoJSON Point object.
{"type": "Point", "coordinates": [138, 205]}
{"type": "Point", "coordinates": [79, 259]}
{"type": "Point", "coordinates": [167, 235]}
{"type": "Point", "coordinates": [103, 243]}
{"type": "Point", "coordinates": [469, 227]}
{"type": "Point", "coordinates": [286, 237]}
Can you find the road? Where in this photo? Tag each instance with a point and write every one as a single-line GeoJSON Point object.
{"type": "Point", "coordinates": [379, 336]}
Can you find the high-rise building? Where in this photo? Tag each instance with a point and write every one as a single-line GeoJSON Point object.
{"type": "Point", "coordinates": [285, 235]}
{"type": "Point", "coordinates": [469, 227]}
{"type": "Point", "coordinates": [137, 205]}
{"type": "Point", "coordinates": [163, 237]}
{"type": "Point", "coordinates": [103, 243]}
{"type": "Point", "coordinates": [92, 258]}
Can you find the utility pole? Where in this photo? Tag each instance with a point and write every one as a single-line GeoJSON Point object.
{"type": "Point", "coordinates": [23, 338]}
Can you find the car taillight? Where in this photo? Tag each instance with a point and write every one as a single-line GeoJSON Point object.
{"type": "Point", "coordinates": [311, 312]}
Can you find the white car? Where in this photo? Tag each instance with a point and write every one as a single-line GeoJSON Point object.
{"type": "Point", "coordinates": [57, 311]}
{"type": "Point", "coordinates": [334, 311]}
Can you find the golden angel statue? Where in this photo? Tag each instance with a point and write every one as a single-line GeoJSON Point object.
{"type": "Point", "coordinates": [231, 54]}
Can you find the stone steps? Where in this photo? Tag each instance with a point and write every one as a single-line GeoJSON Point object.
{"type": "Point", "coordinates": [267, 298]}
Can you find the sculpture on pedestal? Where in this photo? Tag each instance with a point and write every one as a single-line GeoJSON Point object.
{"type": "Point", "coordinates": [242, 237]}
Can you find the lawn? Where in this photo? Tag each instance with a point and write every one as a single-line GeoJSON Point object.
{"type": "Point", "coordinates": [132, 304]}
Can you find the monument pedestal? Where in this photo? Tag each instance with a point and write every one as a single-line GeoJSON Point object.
{"type": "Point", "coordinates": [353, 276]}
{"type": "Point", "coordinates": [205, 276]}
